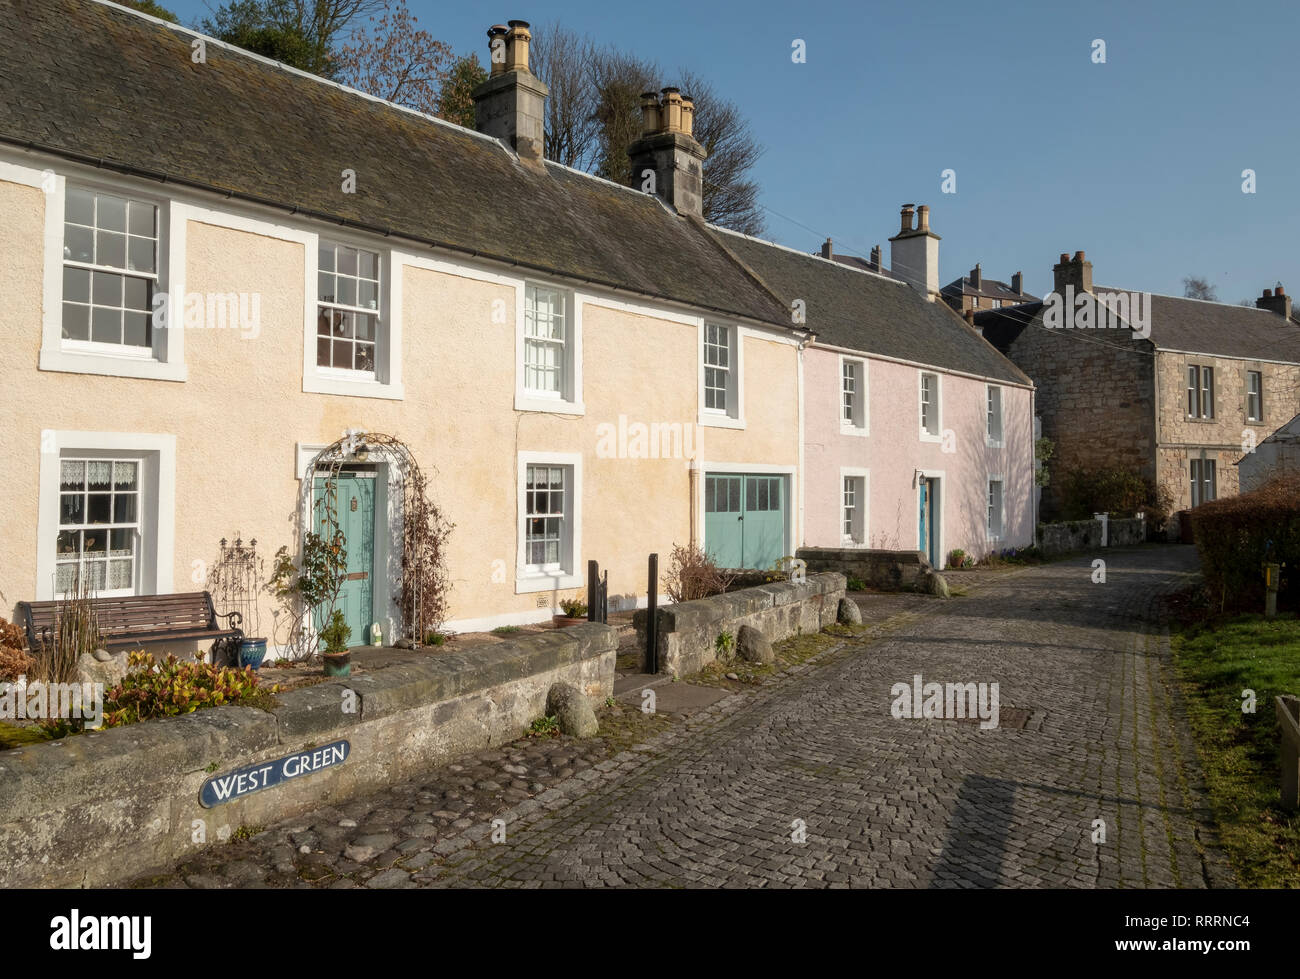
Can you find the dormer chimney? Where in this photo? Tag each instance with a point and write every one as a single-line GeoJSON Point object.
{"type": "Point", "coordinates": [667, 157]}
{"type": "Point", "coordinates": [511, 104]}
{"type": "Point", "coordinates": [914, 253]}
{"type": "Point", "coordinates": [1275, 301]}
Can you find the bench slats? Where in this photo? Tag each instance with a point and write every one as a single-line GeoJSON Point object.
{"type": "Point", "coordinates": [133, 619]}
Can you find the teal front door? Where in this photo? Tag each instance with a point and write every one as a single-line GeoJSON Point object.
{"type": "Point", "coordinates": [744, 519]}
{"type": "Point", "coordinates": [926, 545]}
{"type": "Point", "coordinates": [356, 517]}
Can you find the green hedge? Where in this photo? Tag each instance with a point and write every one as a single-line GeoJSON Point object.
{"type": "Point", "coordinates": [1233, 536]}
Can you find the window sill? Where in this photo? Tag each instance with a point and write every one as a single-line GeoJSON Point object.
{"type": "Point", "coordinates": [858, 431]}
{"type": "Point", "coordinates": [927, 437]}
{"type": "Point", "coordinates": [526, 583]}
{"type": "Point", "coordinates": [719, 420]}
{"type": "Point", "coordinates": [525, 402]}
{"type": "Point", "coordinates": [994, 444]}
{"type": "Point", "coordinates": [88, 362]}
{"type": "Point", "coordinates": [320, 383]}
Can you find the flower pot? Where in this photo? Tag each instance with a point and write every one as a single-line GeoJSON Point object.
{"type": "Point", "coordinates": [252, 652]}
{"type": "Point", "coordinates": [337, 664]}
{"type": "Point", "coordinates": [560, 621]}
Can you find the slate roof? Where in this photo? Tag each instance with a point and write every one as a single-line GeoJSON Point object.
{"type": "Point", "coordinates": [105, 86]}
{"type": "Point", "coordinates": [863, 311]}
{"type": "Point", "coordinates": [989, 289]}
{"type": "Point", "coordinates": [1192, 325]}
{"type": "Point", "coordinates": [87, 80]}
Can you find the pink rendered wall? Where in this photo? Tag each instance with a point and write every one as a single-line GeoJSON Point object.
{"type": "Point", "coordinates": [893, 451]}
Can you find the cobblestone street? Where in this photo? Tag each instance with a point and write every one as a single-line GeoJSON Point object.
{"type": "Point", "coordinates": [1092, 729]}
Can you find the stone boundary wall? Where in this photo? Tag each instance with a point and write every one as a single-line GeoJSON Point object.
{"type": "Point", "coordinates": [1084, 535]}
{"type": "Point", "coordinates": [103, 807]}
{"type": "Point", "coordinates": [688, 630]}
{"type": "Point", "coordinates": [885, 570]}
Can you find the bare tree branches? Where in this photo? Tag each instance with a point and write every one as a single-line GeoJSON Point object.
{"type": "Point", "coordinates": [395, 60]}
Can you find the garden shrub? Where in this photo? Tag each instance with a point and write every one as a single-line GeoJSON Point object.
{"type": "Point", "coordinates": [15, 661]}
{"type": "Point", "coordinates": [1234, 536]}
{"type": "Point", "coordinates": [692, 574]}
{"type": "Point", "coordinates": [151, 689]}
{"type": "Point", "coordinates": [1119, 492]}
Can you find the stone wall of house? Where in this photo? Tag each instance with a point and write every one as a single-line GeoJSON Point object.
{"type": "Point", "coordinates": [1227, 436]}
{"type": "Point", "coordinates": [688, 631]}
{"type": "Point", "coordinates": [1095, 397]}
{"type": "Point", "coordinates": [104, 807]}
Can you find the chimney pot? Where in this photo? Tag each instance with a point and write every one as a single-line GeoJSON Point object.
{"type": "Point", "coordinates": [1275, 301]}
{"type": "Point", "coordinates": [688, 116]}
{"type": "Point", "coordinates": [923, 218]}
{"type": "Point", "coordinates": [650, 122]}
{"type": "Point", "coordinates": [1075, 272]}
{"type": "Point", "coordinates": [672, 110]}
{"type": "Point", "coordinates": [1064, 258]}
{"type": "Point", "coordinates": [498, 62]}
{"type": "Point", "coordinates": [1078, 256]}
{"type": "Point", "coordinates": [906, 217]}
{"type": "Point", "coordinates": [517, 46]}
{"type": "Point", "coordinates": [1279, 291]}
{"type": "Point", "coordinates": [1268, 293]}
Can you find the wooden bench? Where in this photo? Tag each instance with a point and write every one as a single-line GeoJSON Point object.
{"type": "Point", "coordinates": [136, 619]}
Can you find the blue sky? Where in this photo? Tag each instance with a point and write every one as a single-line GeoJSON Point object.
{"type": "Point", "coordinates": [1137, 161]}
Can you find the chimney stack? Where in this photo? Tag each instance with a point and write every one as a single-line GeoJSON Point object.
{"type": "Point", "coordinates": [827, 251]}
{"type": "Point", "coordinates": [1275, 301]}
{"type": "Point", "coordinates": [976, 278]}
{"type": "Point", "coordinates": [876, 259]}
{"type": "Point", "coordinates": [914, 253]}
{"type": "Point", "coordinates": [1075, 272]}
{"type": "Point", "coordinates": [1018, 283]}
{"type": "Point", "coordinates": [668, 150]}
{"type": "Point", "coordinates": [511, 104]}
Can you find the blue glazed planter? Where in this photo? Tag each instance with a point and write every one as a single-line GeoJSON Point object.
{"type": "Point", "coordinates": [252, 652]}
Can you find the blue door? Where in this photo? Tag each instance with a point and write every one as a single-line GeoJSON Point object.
{"type": "Point", "coordinates": [355, 501]}
{"type": "Point", "coordinates": [927, 541]}
{"type": "Point", "coordinates": [744, 519]}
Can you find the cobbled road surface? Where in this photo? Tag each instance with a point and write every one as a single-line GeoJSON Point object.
{"type": "Point", "coordinates": [811, 781]}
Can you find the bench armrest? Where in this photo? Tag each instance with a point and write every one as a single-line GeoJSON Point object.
{"type": "Point", "coordinates": [233, 620]}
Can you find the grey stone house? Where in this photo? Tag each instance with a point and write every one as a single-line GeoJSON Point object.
{"type": "Point", "coordinates": [1174, 389]}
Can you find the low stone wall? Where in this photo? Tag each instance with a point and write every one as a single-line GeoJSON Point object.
{"type": "Point", "coordinates": [1085, 535]}
{"type": "Point", "coordinates": [688, 630]}
{"type": "Point", "coordinates": [105, 806]}
{"type": "Point", "coordinates": [885, 570]}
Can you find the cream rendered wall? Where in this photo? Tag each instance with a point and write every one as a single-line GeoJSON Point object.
{"type": "Point", "coordinates": [893, 451]}
{"type": "Point", "coordinates": [242, 413]}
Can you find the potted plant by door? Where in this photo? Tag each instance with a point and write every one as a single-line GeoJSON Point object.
{"type": "Point", "coordinates": [575, 613]}
{"type": "Point", "coordinates": [335, 635]}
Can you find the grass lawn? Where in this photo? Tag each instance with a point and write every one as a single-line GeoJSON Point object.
{"type": "Point", "coordinates": [1217, 660]}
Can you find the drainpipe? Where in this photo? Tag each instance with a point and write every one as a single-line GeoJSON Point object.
{"type": "Point", "coordinates": [694, 470]}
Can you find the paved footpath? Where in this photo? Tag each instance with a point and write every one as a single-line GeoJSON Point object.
{"type": "Point", "coordinates": [1092, 728]}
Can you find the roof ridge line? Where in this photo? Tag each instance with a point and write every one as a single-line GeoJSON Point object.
{"type": "Point", "coordinates": [744, 267]}
{"type": "Point", "coordinates": [808, 255]}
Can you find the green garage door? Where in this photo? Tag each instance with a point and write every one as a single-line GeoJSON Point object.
{"type": "Point", "coordinates": [744, 519]}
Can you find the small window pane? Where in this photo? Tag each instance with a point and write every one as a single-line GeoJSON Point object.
{"type": "Point", "coordinates": [135, 329]}
{"type": "Point", "coordinates": [325, 287]}
{"type": "Point", "coordinates": [110, 249]}
{"type": "Point", "coordinates": [347, 294]}
{"type": "Point", "coordinates": [142, 219]}
{"type": "Point", "coordinates": [76, 322]}
{"type": "Point", "coordinates": [106, 325]}
{"type": "Point", "coordinates": [78, 244]}
{"type": "Point", "coordinates": [107, 289]}
{"type": "Point", "coordinates": [76, 285]}
{"type": "Point", "coordinates": [141, 256]}
{"type": "Point", "coordinates": [79, 207]}
{"type": "Point", "coordinates": [368, 265]}
{"type": "Point", "coordinates": [124, 475]}
{"type": "Point", "coordinates": [110, 213]}
{"type": "Point", "coordinates": [325, 257]}
{"type": "Point", "coordinates": [124, 508]}
{"type": "Point", "coordinates": [72, 508]}
{"type": "Point", "coordinates": [322, 352]}
{"type": "Point", "coordinates": [347, 260]}
{"type": "Point", "coordinates": [99, 508]}
{"type": "Point", "coordinates": [136, 294]}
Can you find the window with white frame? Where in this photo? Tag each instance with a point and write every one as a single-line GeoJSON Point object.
{"type": "Point", "coordinates": [347, 321]}
{"type": "Point", "coordinates": [546, 342]}
{"type": "Point", "coordinates": [110, 271]}
{"type": "Point", "coordinates": [853, 525]}
{"type": "Point", "coordinates": [1200, 392]}
{"type": "Point", "coordinates": [717, 367]}
{"type": "Point", "coordinates": [99, 525]}
{"type": "Point", "coordinates": [993, 426]}
{"type": "Point", "coordinates": [548, 522]}
{"type": "Point", "coordinates": [1203, 481]}
{"type": "Point", "coordinates": [853, 394]}
{"type": "Point", "coordinates": [929, 405]}
{"type": "Point", "coordinates": [995, 508]}
{"type": "Point", "coordinates": [1254, 396]}
{"type": "Point", "coordinates": [997, 304]}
